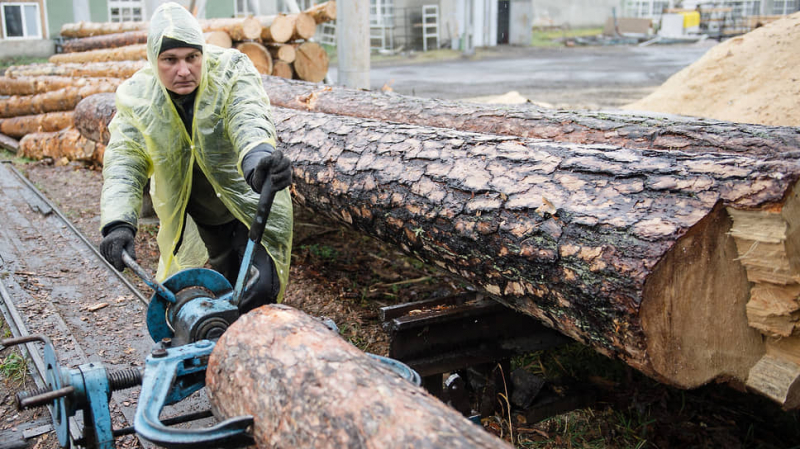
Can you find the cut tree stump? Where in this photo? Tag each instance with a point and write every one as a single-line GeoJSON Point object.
{"type": "Point", "coordinates": [136, 52]}
{"type": "Point", "coordinates": [311, 62]}
{"type": "Point", "coordinates": [41, 84]}
{"type": "Point", "coordinates": [18, 127]}
{"type": "Point", "coordinates": [323, 12]}
{"type": "Point", "coordinates": [258, 55]}
{"type": "Point", "coordinates": [662, 132]}
{"type": "Point", "coordinates": [307, 387]}
{"type": "Point", "coordinates": [104, 41]}
{"type": "Point", "coordinates": [635, 252]}
{"type": "Point", "coordinates": [119, 69]}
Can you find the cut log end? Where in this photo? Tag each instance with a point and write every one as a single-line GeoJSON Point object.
{"type": "Point", "coordinates": [258, 55]}
{"type": "Point", "coordinates": [311, 62]}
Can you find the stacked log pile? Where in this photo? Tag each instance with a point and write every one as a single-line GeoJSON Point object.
{"type": "Point", "coordinates": [36, 101]}
{"type": "Point", "coordinates": [667, 242]}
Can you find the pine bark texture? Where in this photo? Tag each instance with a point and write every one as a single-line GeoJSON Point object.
{"type": "Point", "coordinates": [624, 249]}
{"type": "Point", "coordinates": [104, 41]}
{"type": "Point", "coordinates": [136, 52]}
{"type": "Point", "coordinates": [67, 143]}
{"type": "Point", "coordinates": [42, 84]}
{"type": "Point", "coordinates": [307, 387]}
{"type": "Point", "coordinates": [323, 12]}
{"type": "Point", "coordinates": [88, 29]}
{"type": "Point", "coordinates": [119, 69]}
{"type": "Point", "coordinates": [92, 116]}
{"type": "Point", "coordinates": [58, 100]}
{"type": "Point", "coordinates": [18, 127]}
{"type": "Point", "coordinates": [583, 127]}
{"type": "Point", "coordinates": [311, 62]}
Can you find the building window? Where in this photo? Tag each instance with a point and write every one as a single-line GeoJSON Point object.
{"type": "Point", "coordinates": [785, 7]}
{"type": "Point", "coordinates": [126, 10]}
{"type": "Point", "coordinates": [245, 8]}
{"type": "Point", "coordinates": [649, 9]}
{"type": "Point", "coordinates": [21, 21]}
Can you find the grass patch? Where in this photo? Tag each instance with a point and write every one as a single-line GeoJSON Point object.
{"type": "Point", "coordinates": [14, 368]}
{"type": "Point", "coordinates": [19, 60]}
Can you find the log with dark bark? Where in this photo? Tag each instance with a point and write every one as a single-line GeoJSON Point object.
{"type": "Point", "coordinates": [18, 127]}
{"type": "Point", "coordinates": [119, 69]}
{"type": "Point", "coordinates": [323, 12]}
{"type": "Point", "coordinates": [635, 130]}
{"type": "Point", "coordinates": [104, 41]}
{"type": "Point", "coordinates": [307, 387]}
{"type": "Point", "coordinates": [311, 62]}
{"type": "Point", "coordinates": [136, 52]}
{"type": "Point", "coordinates": [41, 84]}
{"type": "Point", "coordinates": [651, 256]}
{"type": "Point", "coordinates": [58, 100]}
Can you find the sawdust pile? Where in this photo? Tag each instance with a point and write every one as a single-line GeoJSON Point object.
{"type": "Point", "coordinates": [753, 78]}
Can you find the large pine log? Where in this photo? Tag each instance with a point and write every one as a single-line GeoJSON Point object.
{"type": "Point", "coordinates": [92, 116]}
{"type": "Point", "coordinates": [104, 41]}
{"type": "Point", "coordinates": [42, 84]}
{"type": "Point", "coordinates": [323, 12]}
{"type": "Point", "coordinates": [18, 127]}
{"type": "Point", "coordinates": [58, 100]}
{"type": "Point", "coordinates": [136, 52]}
{"type": "Point", "coordinates": [88, 29]}
{"type": "Point", "coordinates": [67, 143]}
{"type": "Point", "coordinates": [120, 69]}
{"type": "Point", "coordinates": [311, 62]}
{"type": "Point", "coordinates": [259, 56]}
{"type": "Point", "coordinates": [308, 388]}
{"type": "Point", "coordinates": [633, 251]}
{"type": "Point", "coordinates": [276, 29]}
{"type": "Point", "coordinates": [239, 29]}
{"type": "Point", "coordinates": [636, 131]}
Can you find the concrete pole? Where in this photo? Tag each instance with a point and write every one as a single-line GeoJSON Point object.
{"type": "Point", "coordinates": [352, 43]}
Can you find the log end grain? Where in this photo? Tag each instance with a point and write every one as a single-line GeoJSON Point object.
{"type": "Point", "coordinates": [311, 62]}
{"type": "Point", "coordinates": [258, 55]}
{"type": "Point", "coordinates": [282, 69]}
{"type": "Point", "coordinates": [218, 38]}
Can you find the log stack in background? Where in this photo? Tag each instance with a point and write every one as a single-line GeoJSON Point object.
{"type": "Point", "coordinates": [37, 100]}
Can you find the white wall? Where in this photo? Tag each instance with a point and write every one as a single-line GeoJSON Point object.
{"type": "Point", "coordinates": [575, 13]}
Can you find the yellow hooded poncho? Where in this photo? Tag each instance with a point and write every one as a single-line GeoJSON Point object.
{"type": "Point", "coordinates": [148, 140]}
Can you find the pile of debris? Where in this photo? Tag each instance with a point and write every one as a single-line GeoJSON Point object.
{"type": "Point", "coordinates": [37, 100]}
{"type": "Point", "coordinates": [747, 79]}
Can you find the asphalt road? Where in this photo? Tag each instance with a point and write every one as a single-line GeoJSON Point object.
{"type": "Point", "coordinates": [591, 77]}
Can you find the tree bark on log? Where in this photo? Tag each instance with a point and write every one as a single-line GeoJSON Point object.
{"type": "Point", "coordinates": [645, 255]}
{"type": "Point", "coordinates": [276, 29]}
{"type": "Point", "coordinates": [311, 62]}
{"type": "Point", "coordinates": [88, 29]}
{"type": "Point", "coordinates": [92, 116]}
{"type": "Point", "coordinates": [258, 55]}
{"type": "Point", "coordinates": [42, 84]}
{"type": "Point", "coordinates": [661, 132]}
{"type": "Point", "coordinates": [67, 143]}
{"type": "Point", "coordinates": [283, 52]}
{"type": "Point", "coordinates": [58, 100]}
{"type": "Point", "coordinates": [9, 143]}
{"type": "Point", "coordinates": [120, 69]}
{"type": "Point", "coordinates": [282, 69]}
{"type": "Point", "coordinates": [137, 52]}
{"type": "Point", "coordinates": [219, 38]}
{"type": "Point", "coordinates": [323, 12]}
{"type": "Point", "coordinates": [104, 41]}
{"type": "Point", "coordinates": [18, 127]}
{"type": "Point", "coordinates": [322, 392]}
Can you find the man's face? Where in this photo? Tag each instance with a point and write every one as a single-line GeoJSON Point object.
{"type": "Point", "coordinates": [180, 68]}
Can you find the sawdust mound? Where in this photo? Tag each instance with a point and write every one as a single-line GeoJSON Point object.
{"type": "Point", "coordinates": [753, 78]}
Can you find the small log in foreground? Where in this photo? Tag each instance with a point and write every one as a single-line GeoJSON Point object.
{"type": "Point", "coordinates": [308, 388]}
{"type": "Point", "coordinates": [104, 41]}
{"type": "Point", "coordinates": [68, 143]}
{"type": "Point", "coordinates": [582, 127]}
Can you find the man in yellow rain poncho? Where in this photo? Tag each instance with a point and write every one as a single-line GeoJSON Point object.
{"type": "Point", "coordinates": [197, 123]}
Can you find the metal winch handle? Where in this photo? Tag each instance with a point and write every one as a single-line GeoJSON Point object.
{"type": "Point", "coordinates": [164, 292]}
{"type": "Point", "coordinates": [254, 238]}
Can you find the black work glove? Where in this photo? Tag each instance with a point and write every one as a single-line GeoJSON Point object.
{"type": "Point", "coordinates": [273, 166]}
{"type": "Point", "coordinates": [119, 238]}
